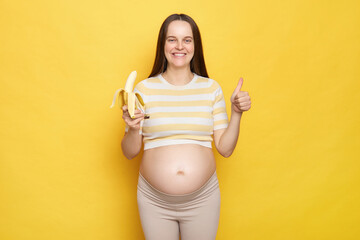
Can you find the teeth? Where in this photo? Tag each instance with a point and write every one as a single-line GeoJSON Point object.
{"type": "Point", "coordinates": [179, 54]}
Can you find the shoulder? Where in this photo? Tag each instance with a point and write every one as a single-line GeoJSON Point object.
{"type": "Point", "coordinates": [210, 83]}
{"type": "Point", "coordinates": [149, 81]}
{"type": "Point", "coordinates": [147, 84]}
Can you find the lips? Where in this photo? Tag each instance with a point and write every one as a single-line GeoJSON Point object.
{"type": "Point", "coordinates": [178, 54]}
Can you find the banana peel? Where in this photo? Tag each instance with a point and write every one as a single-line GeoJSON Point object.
{"type": "Point", "coordinates": [126, 96]}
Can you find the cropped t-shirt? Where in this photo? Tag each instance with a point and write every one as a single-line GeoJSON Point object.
{"type": "Point", "coordinates": [181, 114]}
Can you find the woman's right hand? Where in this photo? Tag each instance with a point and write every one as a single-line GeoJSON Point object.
{"type": "Point", "coordinates": [133, 123]}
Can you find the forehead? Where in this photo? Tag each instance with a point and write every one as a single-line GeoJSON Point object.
{"type": "Point", "coordinates": [179, 28]}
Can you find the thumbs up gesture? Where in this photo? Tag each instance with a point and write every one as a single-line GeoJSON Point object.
{"type": "Point", "coordinates": [240, 101]}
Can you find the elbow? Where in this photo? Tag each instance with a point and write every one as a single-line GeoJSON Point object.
{"type": "Point", "coordinates": [226, 154]}
{"type": "Point", "coordinates": [130, 156]}
{"type": "Point", "coordinates": [130, 153]}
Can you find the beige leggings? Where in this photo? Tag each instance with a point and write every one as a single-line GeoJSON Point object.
{"type": "Point", "coordinates": [194, 216]}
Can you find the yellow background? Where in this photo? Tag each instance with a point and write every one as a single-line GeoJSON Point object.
{"type": "Point", "coordinates": [294, 173]}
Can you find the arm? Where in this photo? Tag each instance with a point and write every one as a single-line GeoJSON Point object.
{"type": "Point", "coordinates": [225, 139]}
{"type": "Point", "coordinates": [132, 140]}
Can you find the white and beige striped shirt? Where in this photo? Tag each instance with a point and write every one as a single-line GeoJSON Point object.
{"type": "Point", "coordinates": [181, 114]}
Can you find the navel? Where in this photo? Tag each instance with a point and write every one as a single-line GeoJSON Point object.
{"type": "Point", "coordinates": [180, 173]}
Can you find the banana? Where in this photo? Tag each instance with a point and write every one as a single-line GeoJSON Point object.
{"type": "Point", "coordinates": [127, 97]}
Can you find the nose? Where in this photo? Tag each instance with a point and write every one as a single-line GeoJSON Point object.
{"type": "Point", "coordinates": [179, 45]}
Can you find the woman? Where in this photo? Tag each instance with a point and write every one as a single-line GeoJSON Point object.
{"type": "Point", "coordinates": [178, 191]}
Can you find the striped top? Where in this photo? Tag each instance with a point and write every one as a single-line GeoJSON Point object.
{"type": "Point", "coordinates": [181, 114]}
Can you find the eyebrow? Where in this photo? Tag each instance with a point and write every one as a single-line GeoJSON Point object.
{"type": "Point", "coordinates": [175, 37]}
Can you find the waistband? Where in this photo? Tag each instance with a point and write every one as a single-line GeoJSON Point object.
{"type": "Point", "coordinates": [145, 187]}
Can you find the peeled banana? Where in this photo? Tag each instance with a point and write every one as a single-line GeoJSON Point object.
{"type": "Point", "coordinates": [126, 96]}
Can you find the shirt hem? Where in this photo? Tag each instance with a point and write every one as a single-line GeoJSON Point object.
{"type": "Point", "coordinates": [168, 142]}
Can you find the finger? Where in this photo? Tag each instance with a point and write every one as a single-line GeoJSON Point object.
{"type": "Point", "coordinates": [240, 83]}
{"type": "Point", "coordinates": [242, 107]}
{"type": "Point", "coordinates": [245, 104]}
{"type": "Point", "coordinates": [126, 113]}
{"type": "Point", "coordinates": [138, 115]}
{"type": "Point", "coordinates": [242, 94]}
{"type": "Point", "coordinates": [125, 109]}
{"type": "Point", "coordinates": [125, 116]}
{"type": "Point", "coordinates": [237, 89]}
{"type": "Point", "coordinates": [137, 111]}
{"type": "Point", "coordinates": [242, 99]}
{"type": "Point", "coordinates": [245, 108]}
{"type": "Point", "coordinates": [135, 122]}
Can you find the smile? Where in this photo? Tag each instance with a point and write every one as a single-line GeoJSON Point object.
{"type": "Point", "coordinates": [179, 54]}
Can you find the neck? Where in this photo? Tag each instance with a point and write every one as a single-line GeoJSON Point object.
{"type": "Point", "coordinates": [178, 76]}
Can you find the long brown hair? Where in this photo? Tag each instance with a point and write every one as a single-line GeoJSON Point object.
{"type": "Point", "coordinates": [197, 64]}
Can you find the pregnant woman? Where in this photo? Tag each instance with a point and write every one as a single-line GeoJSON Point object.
{"type": "Point", "coordinates": [178, 191]}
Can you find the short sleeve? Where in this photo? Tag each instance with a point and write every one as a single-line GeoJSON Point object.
{"type": "Point", "coordinates": [219, 110]}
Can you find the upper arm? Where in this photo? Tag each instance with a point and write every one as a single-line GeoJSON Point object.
{"type": "Point", "coordinates": [219, 116]}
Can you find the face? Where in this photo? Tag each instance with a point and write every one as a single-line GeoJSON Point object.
{"type": "Point", "coordinates": [179, 44]}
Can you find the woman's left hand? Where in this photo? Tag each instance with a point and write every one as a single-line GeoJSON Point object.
{"type": "Point", "coordinates": [240, 100]}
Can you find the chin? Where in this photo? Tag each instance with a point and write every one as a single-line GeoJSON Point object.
{"type": "Point", "coordinates": [181, 65]}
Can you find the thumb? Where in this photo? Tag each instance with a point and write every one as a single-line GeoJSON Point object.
{"type": "Point", "coordinates": [237, 89]}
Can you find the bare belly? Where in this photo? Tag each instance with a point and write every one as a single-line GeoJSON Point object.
{"type": "Point", "coordinates": [178, 169]}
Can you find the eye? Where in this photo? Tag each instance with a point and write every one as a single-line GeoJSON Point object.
{"type": "Point", "coordinates": [188, 40]}
{"type": "Point", "coordinates": [171, 40]}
